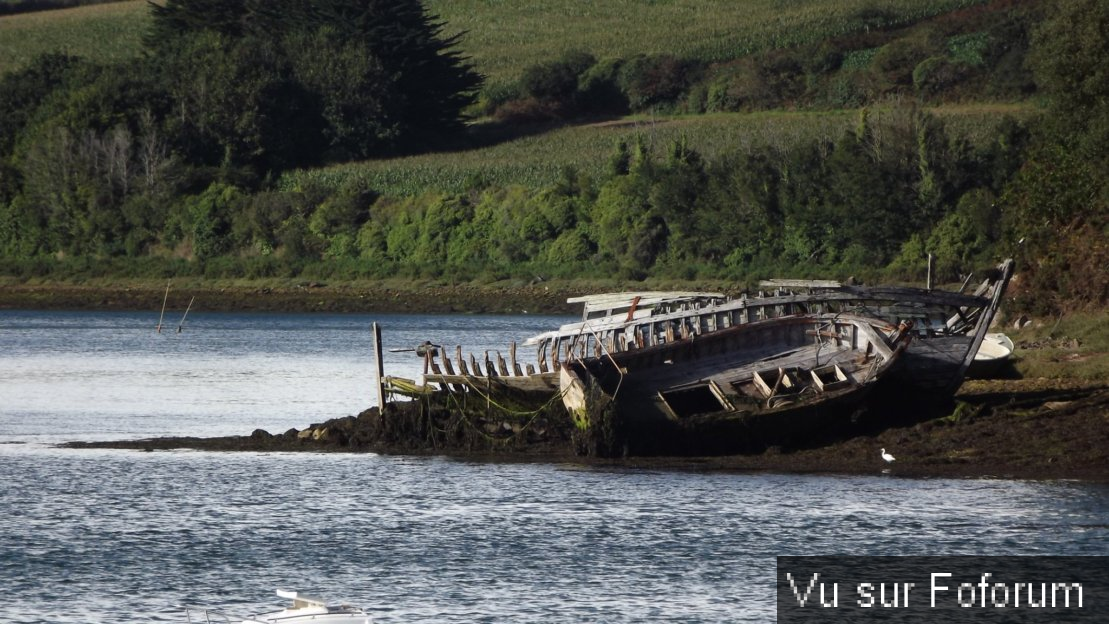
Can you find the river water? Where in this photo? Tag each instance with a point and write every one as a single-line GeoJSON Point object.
{"type": "Point", "coordinates": [127, 536]}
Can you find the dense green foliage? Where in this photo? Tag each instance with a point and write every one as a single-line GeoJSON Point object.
{"type": "Point", "coordinates": [1059, 203]}
{"type": "Point", "coordinates": [201, 156]}
{"type": "Point", "coordinates": [104, 160]}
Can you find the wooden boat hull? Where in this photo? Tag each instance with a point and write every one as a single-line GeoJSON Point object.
{"type": "Point", "coordinates": [950, 326]}
{"type": "Point", "coordinates": [780, 382]}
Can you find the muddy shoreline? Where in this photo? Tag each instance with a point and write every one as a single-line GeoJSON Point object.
{"type": "Point", "coordinates": [1009, 429]}
{"type": "Point", "coordinates": [415, 298]}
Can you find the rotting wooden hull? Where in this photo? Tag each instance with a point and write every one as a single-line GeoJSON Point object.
{"type": "Point", "coordinates": [949, 325]}
{"type": "Point", "coordinates": [780, 382]}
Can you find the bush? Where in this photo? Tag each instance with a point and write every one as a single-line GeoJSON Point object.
{"type": "Point", "coordinates": [210, 215]}
{"type": "Point", "coordinates": [896, 60]}
{"type": "Point", "coordinates": [556, 81]}
{"type": "Point", "coordinates": [600, 90]}
{"type": "Point", "coordinates": [528, 110]}
{"type": "Point", "coordinates": [649, 81]}
{"type": "Point", "coordinates": [937, 75]}
{"type": "Point", "coordinates": [496, 95]}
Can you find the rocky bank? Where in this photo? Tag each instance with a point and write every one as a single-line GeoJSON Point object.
{"type": "Point", "coordinates": [1024, 429]}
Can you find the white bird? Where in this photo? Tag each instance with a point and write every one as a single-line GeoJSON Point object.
{"type": "Point", "coordinates": [886, 456]}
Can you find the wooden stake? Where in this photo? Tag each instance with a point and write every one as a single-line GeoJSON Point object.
{"type": "Point", "coordinates": [377, 368]}
{"type": "Point", "coordinates": [181, 325]}
{"type": "Point", "coordinates": [163, 314]}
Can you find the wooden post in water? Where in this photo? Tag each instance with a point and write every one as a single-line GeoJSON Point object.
{"type": "Point", "coordinates": [181, 325]}
{"type": "Point", "coordinates": [163, 314]}
{"type": "Point", "coordinates": [377, 368]}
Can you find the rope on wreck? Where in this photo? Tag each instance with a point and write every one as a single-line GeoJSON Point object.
{"type": "Point", "coordinates": [489, 400]}
{"type": "Point", "coordinates": [604, 349]}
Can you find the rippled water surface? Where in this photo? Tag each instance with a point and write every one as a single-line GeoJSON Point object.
{"type": "Point", "coordinates": [123, 536]}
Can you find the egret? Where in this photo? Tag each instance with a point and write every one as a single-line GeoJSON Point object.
{"type": "Point", "coordinates": [886, 456]}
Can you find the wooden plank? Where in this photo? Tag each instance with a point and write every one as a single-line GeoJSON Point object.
{"type": "Point", "coordinates": [512, 357]}
{"type": "Point", "coordinates": [537, 383]}
{"type": "Point", "coordinates": [798, 283]}
{"type": "Point", "coordinates": [461, 361]}
{"type": "Point", "coordinates": [541, 356]}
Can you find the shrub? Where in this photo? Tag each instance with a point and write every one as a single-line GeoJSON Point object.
{"type": "Point", "coordinates": [937, 75]}
{"type": "Point", "coordinates": [970, 48]}
{"type": "Point", "coordinates": [896, 60]}
{"type": "Point", "coordinates": [558, 80]}
{"type": "Point", "coordinates": [649, 81]}
{"type": "Point", "coordinates": [495, 95]}
{"type": "Point", "coordinates": [528, 110]}
{"type": "Point", "coordinates": [599, 89]}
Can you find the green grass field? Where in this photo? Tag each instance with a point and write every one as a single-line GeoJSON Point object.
{"type": "Point", "coordinates": [504, 36]}
{"type": "Point", "coordinates": [536, 161]}
{"type": "Point", "coordinates": [105, 32]}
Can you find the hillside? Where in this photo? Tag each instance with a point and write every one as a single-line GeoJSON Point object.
{"type": "Point", "coordinates": [538, 160]}
{"type": "Point", "coordinates": [503, 37]}
{"type": "Point", "coordinates": [630, 140]}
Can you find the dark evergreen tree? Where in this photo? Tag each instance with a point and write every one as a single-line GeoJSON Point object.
{"type": "Point", "coordinates": [176, 19]}
{"type": "Point", "coordinates": [430, 81]}
{"type": "Point", "coordinates": [382, 75]}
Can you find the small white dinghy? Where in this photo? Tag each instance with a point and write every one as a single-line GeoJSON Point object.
{"type": "Point", "coordinates": [995, 351]}
{"type": "Point", "coordinates": [304, 610]}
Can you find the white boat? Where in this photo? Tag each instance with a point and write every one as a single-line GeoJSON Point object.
{"type": "Point", "coordinates": [304, 610]}
{"type": "Point", "coordinates": [991, 357]}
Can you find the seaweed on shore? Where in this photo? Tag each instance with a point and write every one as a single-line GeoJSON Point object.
{"type": "Point", "coordinates": [1033, 429]}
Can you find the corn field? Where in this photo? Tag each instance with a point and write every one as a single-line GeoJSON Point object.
{"type": "Point", "coordinates": [503, 37]}
{"type": "Point", "coordinates": [537, 161]}
{"type": "Point", "coordinates": [103, 32]}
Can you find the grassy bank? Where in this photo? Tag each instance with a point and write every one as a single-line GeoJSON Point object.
{"type": "Point", "coordinates": [301, 295]}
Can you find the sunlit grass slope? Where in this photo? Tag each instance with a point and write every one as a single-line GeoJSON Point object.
{"type": "Point", "coordinates": [537, 161]}
{"type": "Point", "coordinates": [105, 32]}
{"type": "Point", "coordinates": [504, 36]}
